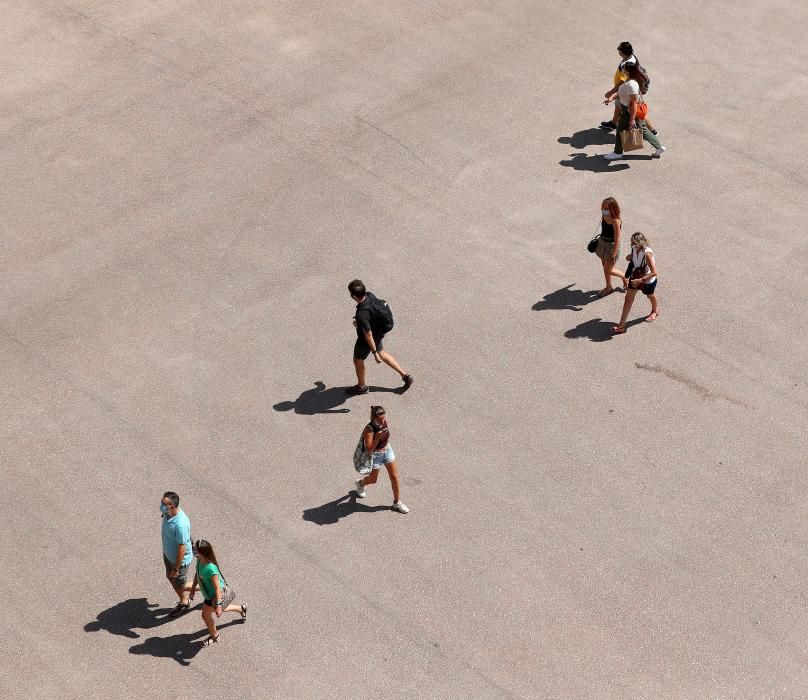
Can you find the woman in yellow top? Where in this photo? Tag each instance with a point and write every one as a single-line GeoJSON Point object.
{"type": "Point", "coordinates": [626, 52]}
{"type": "Point", "coordinates": [217, 598]}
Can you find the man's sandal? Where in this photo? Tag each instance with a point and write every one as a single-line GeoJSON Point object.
{"type": "Point", "coordinates": [617, 330]}
{"type": "Point", "coordinates": [652, 316]}
{"type": "Point", "coordinates": [210, 640]}
{"type": "Point", "coordinates": [244, 612]}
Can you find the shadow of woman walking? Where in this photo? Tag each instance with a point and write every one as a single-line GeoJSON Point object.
{"type": "Point", "coordinates": [329, 513]}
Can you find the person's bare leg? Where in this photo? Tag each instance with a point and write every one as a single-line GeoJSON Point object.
{"type": "Point", "coordinates": [182, 594]}
{"type": "Point", "coordinates": [608, 266]}
{"type": "Point", "coordinates": [185, 592]}
{"type": "Point", "coordinates": [392, 471]}
{"type": "Point", "coordinates": [649, 124]}
{"type": "Point", "coordinates": [233, 607]}
{"type": "Point", "coordinates": [616, 273]}
{"type": "Point", "coordinates": [654, 307]}
{"type": "Point", "coordinates": [359, 366]}
{"type": "Point", "coordinates": [207, 616]}
{"type": "Point", "coordinates": [390, 361]}
{"type": "Point", "coordinates": [627, 302]}
{"type": "Point", "coordinates": [371, 478]}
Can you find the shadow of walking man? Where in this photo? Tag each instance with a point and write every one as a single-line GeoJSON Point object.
{"type": "Point", "coordinates": [329, 513]}
{"type": "Point", "coordinates": [316, 400]}
{"type": "Point", "coordinates": [123, 617]}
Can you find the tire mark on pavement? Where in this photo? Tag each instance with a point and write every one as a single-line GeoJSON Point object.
{"type": "Point", "coordinates": [380, 130]}
{"type": "Point", "coordinates": [699, 389]}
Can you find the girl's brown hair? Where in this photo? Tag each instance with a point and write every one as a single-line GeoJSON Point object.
{"type": "Point", "coordinates": [613, 207]}
{"type": "Point", "coordinates": [205, 548]}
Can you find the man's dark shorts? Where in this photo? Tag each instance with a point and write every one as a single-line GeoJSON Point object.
{"type": "Point", "coordinates": [185, 575]}
{"type": "Point", "coordinates": [361, 349]}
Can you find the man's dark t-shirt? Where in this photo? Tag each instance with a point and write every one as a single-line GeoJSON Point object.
{"type": "Point", "coordinates": [364, 318]}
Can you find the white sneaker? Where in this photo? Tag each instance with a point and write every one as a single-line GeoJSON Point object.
{"type": "Point", "coordinates": [613, 156]}
{"type": "Point", "coordinates": [659, 151]}
{"type": "Point", "coordinates": [360, 488]}
{"type": "Point", "coordinates": [399, 507]}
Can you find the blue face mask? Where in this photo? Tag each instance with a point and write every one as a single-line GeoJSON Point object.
{"type": "Point", "coordinates": [163, 508]}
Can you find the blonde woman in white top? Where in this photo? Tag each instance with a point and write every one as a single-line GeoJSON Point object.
{"type": "Point", "coordinates": [642, 274]}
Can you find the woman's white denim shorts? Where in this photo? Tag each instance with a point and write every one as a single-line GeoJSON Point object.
{"type": "Point", "coordinates": [384, 457]}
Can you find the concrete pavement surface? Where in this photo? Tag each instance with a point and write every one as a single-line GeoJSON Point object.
{"type": "Point", "coordinates": [187, 188]}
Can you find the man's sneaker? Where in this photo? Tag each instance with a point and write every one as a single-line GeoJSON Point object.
{"type": "Point", "coordinates": [408, 380]}
{"type": "Point", "coordinates": [179, 609]}
{"type": "Point", "coordinates": [399, 507]}
{"type": "Point", "coordinates": [356, 390]}
{"type": "Point", "coordinates": [608, 125]}
{"type": "Point", "coordinates": [360, 488]}
{"type": "Point", "coordinates": [659, 151]}
{"type": "Point", "coordinates": [613, 156]}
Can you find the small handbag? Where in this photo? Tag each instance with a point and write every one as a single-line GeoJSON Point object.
{"type": "Point", "coordinates": [592, 246]}
{"type": "Point", "coordinates": [362, 459]}
{"type": "Point", "coordinates": [632, 139]}
{"type": "Point", "coordinates": [642, 110]}
{"type": "Point", "coordinates": [228, 596]}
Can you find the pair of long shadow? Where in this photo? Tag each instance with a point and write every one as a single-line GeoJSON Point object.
{"type": "Point", "coordinates": [137, 613]}
{"type": "Point", "coordinates": [595, 163]}
{"type": "Point", "coordinates": [596, 329]}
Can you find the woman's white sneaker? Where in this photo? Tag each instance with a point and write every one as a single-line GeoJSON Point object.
{"type": "Point", "coordinates": [659, 151]}
{"type": "Point", "coordinates": [399, 507]}
{"type": "Point", "coordinates": [360, 488]}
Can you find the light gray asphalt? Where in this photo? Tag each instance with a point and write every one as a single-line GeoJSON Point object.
{"type": "Point", "coordinates": [187, 189]}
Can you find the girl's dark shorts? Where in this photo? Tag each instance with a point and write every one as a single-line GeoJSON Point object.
{"type": "Point", "coordinates": [648, 289]}
{"type": "Point", "coordinates": [208, 602]}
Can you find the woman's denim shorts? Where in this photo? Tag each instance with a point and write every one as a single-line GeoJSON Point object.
{"type": "Point", "coordinates": [384, 457]}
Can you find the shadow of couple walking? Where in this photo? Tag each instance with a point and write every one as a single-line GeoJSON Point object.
{"type": "Point", "coordinates": [137, 613]}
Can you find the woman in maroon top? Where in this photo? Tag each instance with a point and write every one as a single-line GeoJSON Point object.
{"type": "Point", "coordinates": [377, 441]}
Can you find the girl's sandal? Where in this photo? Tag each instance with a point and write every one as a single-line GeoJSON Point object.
{"type": "Point", "coordinates": [244, 612]}
{"type": "Point", "coordinates": [617, 330]}
{"type": "Point", "coordinates": [210, 640]}
{"type": "Point", "coordinates": [652, 316]}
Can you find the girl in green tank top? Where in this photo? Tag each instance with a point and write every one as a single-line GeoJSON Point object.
{"type": "Point", "coordinates": [217, 598]}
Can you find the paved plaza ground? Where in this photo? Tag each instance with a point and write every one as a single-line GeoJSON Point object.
{"type": "Point", "coordinates": [187, 188]}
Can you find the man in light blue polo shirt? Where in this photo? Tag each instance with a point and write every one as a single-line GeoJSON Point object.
{"type": "Point", "coordinates": [177, 554]}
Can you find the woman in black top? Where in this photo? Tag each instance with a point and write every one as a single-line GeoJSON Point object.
{"type": "Point", "coordinates": [377, 441]}
{"type": "Point", "coordinates": [609, 242]}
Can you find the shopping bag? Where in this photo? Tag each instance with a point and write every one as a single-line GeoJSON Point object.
{"type": "Point", "coordinates": [632, 139]}
{"type": "Point", "coordinates": [362, 459]}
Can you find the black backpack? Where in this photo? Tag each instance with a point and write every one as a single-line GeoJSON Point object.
{"type": "Point", "coordinates": [381, 316]}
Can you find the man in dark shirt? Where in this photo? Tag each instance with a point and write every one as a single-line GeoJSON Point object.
{"type": "Point", "coordinates": [370, 333]}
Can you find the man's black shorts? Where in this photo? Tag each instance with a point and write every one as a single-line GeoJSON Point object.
{"type": "Point", "coordinates": [361, 349]}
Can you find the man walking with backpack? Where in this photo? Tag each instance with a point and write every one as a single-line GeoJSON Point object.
{"type": "Point", "coordinates": [373, 320]}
